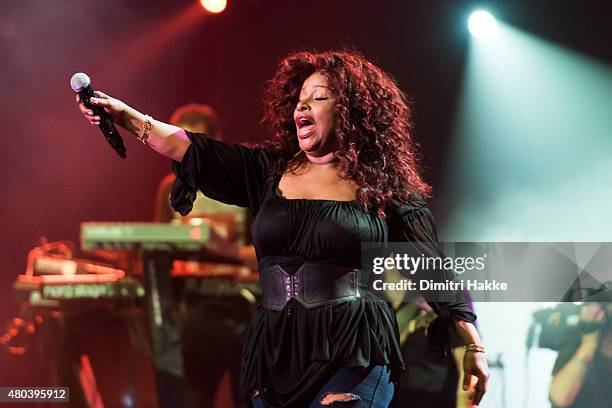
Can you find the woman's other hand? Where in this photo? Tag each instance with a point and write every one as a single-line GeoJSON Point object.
{"type": "Point", "coordinates": [475, 364]}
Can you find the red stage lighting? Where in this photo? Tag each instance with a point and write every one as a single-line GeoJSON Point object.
{"type": "Point", "coordinates": [214, 6]}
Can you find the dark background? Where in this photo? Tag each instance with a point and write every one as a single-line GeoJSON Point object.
{"type": "Point", "coordinates": [57, 170]}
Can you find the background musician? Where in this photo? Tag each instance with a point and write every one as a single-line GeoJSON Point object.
{"type": "Point", "coordinates": [214, 308]}
{"type": "Point", "coordinates": [583, 371]}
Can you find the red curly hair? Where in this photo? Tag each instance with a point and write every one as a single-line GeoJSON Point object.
{"type": "Point", "coordinates": [373, 123]}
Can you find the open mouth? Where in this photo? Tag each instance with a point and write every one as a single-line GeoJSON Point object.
{"type": "Point", "coordinates": [305, 126]}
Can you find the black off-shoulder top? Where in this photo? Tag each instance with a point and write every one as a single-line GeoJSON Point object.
{"type": "Point", "coordinates": [289, 356]}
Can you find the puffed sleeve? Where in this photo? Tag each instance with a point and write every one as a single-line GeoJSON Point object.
{"type": "Point", "coordinates": [230, 173]}
{"type": "Point", "coordinates": [414, 223]}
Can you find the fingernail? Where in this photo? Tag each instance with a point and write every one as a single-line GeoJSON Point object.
{"type": "Point", "coordinates": [94, 100]}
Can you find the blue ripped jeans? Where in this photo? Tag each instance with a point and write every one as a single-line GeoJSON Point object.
{"type": "Point", "coordinates": [370, 388]}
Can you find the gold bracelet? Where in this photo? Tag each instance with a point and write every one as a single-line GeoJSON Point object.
{"type": "Point", "coordinates": [147, 126]}
{"type": "Point", "coordinates": [476, 348]}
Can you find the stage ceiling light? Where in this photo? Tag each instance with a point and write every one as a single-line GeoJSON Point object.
{"type": "Point", "coordinates": [482, 24]}
{"type": "Point", "coordinates": [214, 6]}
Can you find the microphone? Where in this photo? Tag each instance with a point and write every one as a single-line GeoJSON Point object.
{"type": "Point", "coordinates": [81, 84]}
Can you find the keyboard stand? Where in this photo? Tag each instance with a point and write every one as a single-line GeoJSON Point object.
{"type": "Point", "coordinates": [165, 336]}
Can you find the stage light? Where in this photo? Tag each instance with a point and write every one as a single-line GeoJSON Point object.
{"type": "Point", "coordinates": [482, 24]}
{"type": "Point", "coordinates": [214, 6]}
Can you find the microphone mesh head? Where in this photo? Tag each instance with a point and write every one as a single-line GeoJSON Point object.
{"type": "Point", "coordinates": [79, 81]}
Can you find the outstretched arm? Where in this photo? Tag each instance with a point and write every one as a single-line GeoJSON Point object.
{"type": "Point", "coordinates": [168, 140]}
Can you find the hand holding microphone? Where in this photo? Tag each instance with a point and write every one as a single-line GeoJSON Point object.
{"type": "Point", "coordinates": [114, 107]}
{"type": "Point", "coordinates": [100, 110]}
{"type": "Point", "coordinates": [104, 111]}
